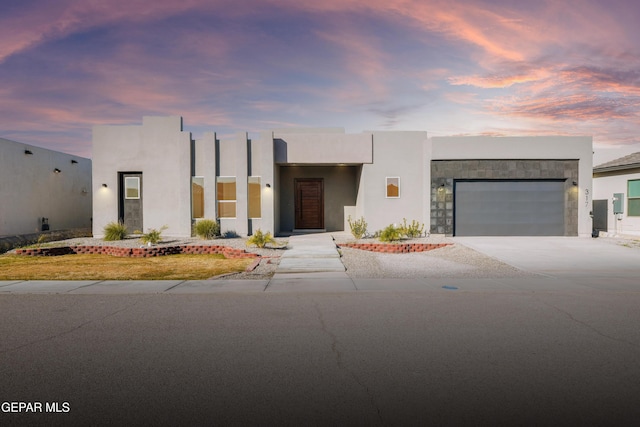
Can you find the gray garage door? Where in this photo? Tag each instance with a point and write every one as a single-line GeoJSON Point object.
{"type": "Point", "coordinates": [509, 208]}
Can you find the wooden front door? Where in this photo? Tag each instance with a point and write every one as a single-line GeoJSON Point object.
{"type": "Point", "coordinates": [309, 203]}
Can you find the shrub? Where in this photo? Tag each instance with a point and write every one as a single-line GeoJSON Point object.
{"type": "Point", "coordinates": [153, 236]}
{"type": "Point", "coordinates": [230, 234]}
{"type": "Point", "coordinates": [415, 229]}
{"type": "Point", "coordinates": [390, 234]}
{"type": "Point", "coordinates": [207, 229]}
{"type": "Point", "coordinates": [260, 239]}
{"type": "Point", "coordinates": [358, 227]}
{"type": "Point", "coordinates": [115, 231]}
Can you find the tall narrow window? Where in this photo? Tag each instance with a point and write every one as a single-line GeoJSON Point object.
{"type": "Point", "coordinates": [633, 197]}
{"type": "Point", "coordinates": [393, 187]}
{"type": "Point", "coordinates": [254, 190]}
{"type": "Point", "coordinates": [197, 197]}
{"type": "Point", "coordinates": [131, 187]}
{"type": "Point", "coordinates": [226, 187]}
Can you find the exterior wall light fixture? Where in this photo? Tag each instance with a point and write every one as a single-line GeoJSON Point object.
{"type": "Point", "coordinates": [73, 162]}
{"type": "Point", "coordinates": [56, 170]}
{"type": "Point", "coordinates": [268, 185]}
{"type": "Point", "coordinates": [28, 152]}
{"type": "Point", "coordinates": [575, 183]}
{"type": "Point", "coordinates": [104, 185]}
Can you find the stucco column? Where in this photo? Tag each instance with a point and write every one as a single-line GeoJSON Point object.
{"type": "Point", "coordinates": [205, 166]}
{"type": "Point", "coordinates": [242, 159]}
{"type": "Point", "coordinates": [267, 178]}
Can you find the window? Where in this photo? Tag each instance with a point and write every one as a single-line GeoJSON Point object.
{"type": "Point", "coordinates": [633, 197]}
{"type": "Point", "coordinates": [393, 187]}
{"type": "Point", "coordinates": [197, 197]}
{"type": "Point", "coordinates": [254, 191]}
{"type": "Point", "coordinates": [132, 187]}
{"type": "Point", "coordinates": [226, 188]}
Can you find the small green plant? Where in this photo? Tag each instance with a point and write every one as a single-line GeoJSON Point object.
{"type": "Point", "coordinates": [260, 239]}
{"type": "Point", "coordinates": [153, 236]}
{"type": "Point", "coordinates": [390, 234]}
{"type": "Point", "coordinates": [358, 227]}
{"type": "Point", "coordinates": [415, 229]}
{"type": "Point", "coordinates": [207, 229]}
{"type": "Point", "coordinates": [41, 239]}
{"type": "Point", "coordinates": [115, 231]}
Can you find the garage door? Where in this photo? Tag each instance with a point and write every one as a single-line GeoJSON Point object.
{"type": "Point", "coordinates": [509, 208]}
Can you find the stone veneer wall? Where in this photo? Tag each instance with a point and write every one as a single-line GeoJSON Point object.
{"type": "Point", "coordinates": [447, 171]}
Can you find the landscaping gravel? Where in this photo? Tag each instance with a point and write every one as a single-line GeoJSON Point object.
{"type": "Point", "coordinates": [454, 261]}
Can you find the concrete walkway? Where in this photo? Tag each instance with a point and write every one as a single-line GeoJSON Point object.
{"type": "Point", "coordinates": [310, 253]}
{"type": "Point", "coordinates": [312, 263]}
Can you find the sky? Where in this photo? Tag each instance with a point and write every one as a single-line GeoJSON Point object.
{"type": "Point", "coordinates": [470, 67]}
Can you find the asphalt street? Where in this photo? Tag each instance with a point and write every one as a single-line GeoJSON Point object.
{"type": "Point", "coordinates": [561, 349]}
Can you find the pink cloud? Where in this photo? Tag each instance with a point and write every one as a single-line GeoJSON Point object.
{"type": "Point", "coordinates": [498, 81]}
{"type": "Point", "coordinates": [50, 21]}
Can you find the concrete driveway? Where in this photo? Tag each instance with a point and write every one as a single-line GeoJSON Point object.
{"type": "Point", "coordinates": [563, 257]}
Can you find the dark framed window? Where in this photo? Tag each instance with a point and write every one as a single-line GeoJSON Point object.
{"type": "Point", "coordinates": [633, 197]}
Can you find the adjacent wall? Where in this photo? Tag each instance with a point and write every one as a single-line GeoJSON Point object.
{"type": "Point", "coordinates": [604, 186]}
{"type": "Point", "coordinates": [31, 190]}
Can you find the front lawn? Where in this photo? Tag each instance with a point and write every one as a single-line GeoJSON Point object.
{"type": "Point", "coordinates": [105, 267]}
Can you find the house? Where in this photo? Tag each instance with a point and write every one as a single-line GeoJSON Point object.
{"type": "Point", "coordinates": [616, 196]}
{"type": "Point", "coordinates": [42, 190]}
{"type": "Point", "coordinates": [292, 180]}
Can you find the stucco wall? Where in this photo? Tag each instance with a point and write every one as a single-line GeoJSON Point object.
{"type": "Point", "coordinates": [604, 186]}
{"type": "Point", "coordinates": [320, 148]}
{"type": "Point", "coordinates": [340, 187]}
{"type": "Point", "coordinates": [31, 190]}
{"type": "Point", "coordinates": [395, 154]}
{"type": "Point", "coordinates": [162, 152]}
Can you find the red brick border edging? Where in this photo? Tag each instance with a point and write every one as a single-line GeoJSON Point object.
{"type": "Point", "coordinates": [395, 248]}
{"type": "Point", "coordinates": [139, 252]}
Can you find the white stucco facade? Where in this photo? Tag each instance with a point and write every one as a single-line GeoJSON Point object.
{"type": "Point", "coordinates": [158, 149]}
{"type": "Point", "coordinates": [38, 183]}
{"type": "Point", "coordinates": [312, 179]}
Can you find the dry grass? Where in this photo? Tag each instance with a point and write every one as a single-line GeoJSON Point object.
{"type": "Point", "coordinates": [105, 267]}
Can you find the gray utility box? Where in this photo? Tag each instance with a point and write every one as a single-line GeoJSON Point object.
{"type": "Point", "coordinates": [618, 203]}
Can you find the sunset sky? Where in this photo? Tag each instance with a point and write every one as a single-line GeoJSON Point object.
{"type": "Point", "coordinates": [499, 67]}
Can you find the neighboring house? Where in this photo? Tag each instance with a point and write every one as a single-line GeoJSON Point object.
{"type": "Point", "coordinates": [616, 196]}
{"type": "Point", "coordinates": [313, 179]}
{"type": "Point", "coordinates": [42, 190]}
